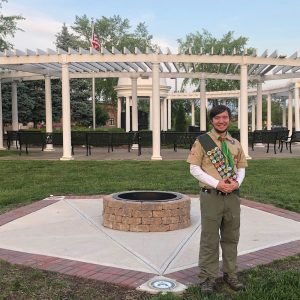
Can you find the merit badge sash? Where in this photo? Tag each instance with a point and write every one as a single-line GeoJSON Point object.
{"type": "Point", "coordinates": [216, 156]}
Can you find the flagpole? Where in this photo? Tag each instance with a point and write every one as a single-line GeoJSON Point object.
{"type": "Point", "coordinates": [93, 29]}
{"type": "Point", "coordinates": [93, 85]}
{"type": "Point", "coordinates": [94, 103]}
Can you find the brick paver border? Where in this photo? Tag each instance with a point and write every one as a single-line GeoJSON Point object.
{"type": "Point", "coordinates": [132, 278]}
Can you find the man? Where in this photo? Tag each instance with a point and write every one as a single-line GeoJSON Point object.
{"type": "Point", "coordinates": [218, 162]}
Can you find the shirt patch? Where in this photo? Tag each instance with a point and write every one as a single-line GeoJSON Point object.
{"type": "Point", "coordinates": [192, 152]}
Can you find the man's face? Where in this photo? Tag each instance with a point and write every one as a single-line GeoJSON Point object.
{"type": "Point", "coordinates": [221, 122]}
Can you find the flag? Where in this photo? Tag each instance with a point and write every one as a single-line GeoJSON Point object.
{"type": "Point", "coordinates": [95, 43]}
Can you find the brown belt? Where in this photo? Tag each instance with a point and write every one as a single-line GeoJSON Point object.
{"type": "Point", "coordinates": [217, 192]}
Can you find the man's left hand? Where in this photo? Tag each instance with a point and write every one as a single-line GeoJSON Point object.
{"type": "Point", "coordinates": [232, 184]}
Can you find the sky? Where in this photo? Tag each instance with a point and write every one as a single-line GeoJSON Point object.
{"type": "Point", "coordinates": [268, 24]}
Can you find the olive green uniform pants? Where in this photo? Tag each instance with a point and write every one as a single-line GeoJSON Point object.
{"type": "Point", "coordinates": [220, 221]}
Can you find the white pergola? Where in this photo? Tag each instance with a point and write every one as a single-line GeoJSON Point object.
{"type": "Point", "coordinates": [32, 65]}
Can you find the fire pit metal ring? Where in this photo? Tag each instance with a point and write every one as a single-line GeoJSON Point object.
{"type": "Point", "coordinates": [157, 196]}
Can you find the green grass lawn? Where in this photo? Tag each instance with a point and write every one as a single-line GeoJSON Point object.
{"type": "Point", "coordinates": [273, 181]}
{"type": "Point", "coordinates": [269, 181]}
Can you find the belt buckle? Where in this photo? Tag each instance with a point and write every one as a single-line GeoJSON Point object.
{"type": "Point", "coordinates": [222, 193]}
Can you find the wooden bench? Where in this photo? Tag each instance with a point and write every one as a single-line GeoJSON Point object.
{"type": "Point", "coordinates": [168, 138]}
{"type": "Point", "coordinates": [111, 140]}
{"type": "Point", "coordinates": [183, 139]}
{"type": "Point", "coordinates": [79, 138]}
{"type": "Point", "coordinates": [12, 136]}
{"type": "Point", "coordinates": [56, 139]}
{"type": "Point", "coordinates": [124, 139]}
{"type": "Point", "coordinates": [90, 139]}
{"type": "Point", "coordinates": [98, 139]}
{"type": "Point", "coordinates": [145, 139]}
{"type": "Point", "coordinates": [265, 137]}
{"type": "Point", "coordinates": [295, 137]}
{"type": "Point", "coordinates": [283, 133]}
{"type": "Point", "coordinates": [33, 138]}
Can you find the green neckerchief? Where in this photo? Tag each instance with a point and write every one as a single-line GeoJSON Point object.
{"type": "Point", "coordinates": [224, 147]}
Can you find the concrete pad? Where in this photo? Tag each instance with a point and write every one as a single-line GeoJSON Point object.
{"type": "Point", "coordinates": [72, 229]}
{"type": "Point", "coordinates": [60, 231]}
{"type": "Point", "coordinates": [259, 230]}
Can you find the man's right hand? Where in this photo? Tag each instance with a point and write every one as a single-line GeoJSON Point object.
{"type": "Point", "coordinates": [226, 186]}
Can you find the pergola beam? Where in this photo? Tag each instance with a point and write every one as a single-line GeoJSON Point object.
{"type": "Point", "coordinates": [82, 62]}
{"type": "Point", "coordinates": [147, 59]}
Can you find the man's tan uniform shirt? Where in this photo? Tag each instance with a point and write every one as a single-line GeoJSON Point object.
{"type": "Point", "coordinates": [199, 157]}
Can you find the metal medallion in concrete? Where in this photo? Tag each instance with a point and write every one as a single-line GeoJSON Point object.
{"type": "Point", "coordinates": [160, 284]}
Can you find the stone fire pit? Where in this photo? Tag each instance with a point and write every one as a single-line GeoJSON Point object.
{"type": "Point", "coordinates": [146, 211]}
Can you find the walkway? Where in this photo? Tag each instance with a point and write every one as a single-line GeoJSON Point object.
{"type": "Point", "coordinates": [121, 153]}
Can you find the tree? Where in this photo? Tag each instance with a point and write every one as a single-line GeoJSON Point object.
{"type": "Point", "coordinates": [101, 115]}
{"type": "Point", "coordinates": [81, 104]}
{"type": "Point", "coordinates": [56, 92]}
{"type": "Point", "coordinates": [180, 119]}
{"type": "Point", "coordinates": [276, 111]}
{"type": "Point", "coordinates": [65, 39]}
{"type": "Point", "coordinates": [30, 99]}
{"type": "Point", "coordinates": [140, 39]}
{"type": "Point", "coordinates": [205, 42]}
{"type": "Point", "coordinates": [8, 28]}
{"type": "Point", "coordinates": [6, 102]}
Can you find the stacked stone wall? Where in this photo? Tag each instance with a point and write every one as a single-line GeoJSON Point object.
{"type": "Point", "coordinates": [140, 216]}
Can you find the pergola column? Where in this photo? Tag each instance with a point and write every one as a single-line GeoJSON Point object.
{"type": "Point", "coordinates": [259, 107]}
{"type": "Point", "coordinates": [165, 119]}
{"type": "Point", "coordinates": [119, 112]}
{"type": "Point", "coordinates": [284, 113]}
{"type": "Point", "coordinates": [202, 105]}
{"type": "Point", "coordinates": [161, 114]}
{"type": "Point", "coordinates": [66, 113]}
{"type": "Point", "coordinates": [239, 112]}
{"type": "Point", "coordinates": [156, 113]}
{"type": "Point", "coordinates": [297, 120]}
{"type": "Point", "coordinates": [14, 106]}
{"type": "Point", "coordinates": [193, 112]}
{"type": "Point", "coordinates": [253, 115]}
{"type": "Point", "coordinates": [134, 112]}
{"type": "Point", "coordinates": [150, 112]}
{"type": "Point", "coordinates": [169, 113]}
{"type": "Point", "coordinates": [269, 117]}
{"type": "Point", "coordinates": [48, 111]}
{"type": "Point", "coordinates": [127, 100]}
{"type": "Point", "coordinates": [1, 119]}
{"type": "Point", "coordinates": [290, 113]}
{"type": "Point", "coordinates": [244, 109]}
